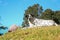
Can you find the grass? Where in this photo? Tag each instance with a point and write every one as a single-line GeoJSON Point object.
{"type": "Point", "coordinates": [38, 33]}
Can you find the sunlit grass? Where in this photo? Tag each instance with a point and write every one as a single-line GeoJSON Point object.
{"type": "Point", "coordinates": [37, 33]}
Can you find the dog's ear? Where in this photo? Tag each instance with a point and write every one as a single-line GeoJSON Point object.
{"type": "Point", "coordinates": [32, 15]}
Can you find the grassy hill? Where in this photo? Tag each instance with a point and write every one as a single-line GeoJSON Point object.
{"type": "Point", "coordinates": [38, 33]}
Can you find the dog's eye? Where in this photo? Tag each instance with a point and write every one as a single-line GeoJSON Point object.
{"type": "Point", "coordinates": [26, 16]}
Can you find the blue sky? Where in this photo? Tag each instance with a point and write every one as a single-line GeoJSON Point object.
{"type": "Point", "coordinates": [12, 11]}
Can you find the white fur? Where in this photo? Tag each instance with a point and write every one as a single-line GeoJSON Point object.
{"type": "Point", "coordinates": [42, 22]}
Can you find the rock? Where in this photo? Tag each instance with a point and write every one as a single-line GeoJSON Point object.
{"type": "Point", "coordinates": [13, 28]}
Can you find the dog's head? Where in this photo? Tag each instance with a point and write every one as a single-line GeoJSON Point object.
{"type": "Point", "coordinates": [29, 16]}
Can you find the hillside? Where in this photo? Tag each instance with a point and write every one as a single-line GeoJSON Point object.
{"type": "Point", "coordinates": [38, 33]}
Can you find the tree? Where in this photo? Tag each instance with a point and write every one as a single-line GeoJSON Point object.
{"type": "Point", "coordinates": [2, 27]}
{"type": "Point", "coordinates": [47, 14]}
{"type": "Point", "coordinates": [35, 10]}
{"type": "Point", "coordinates": [57, 16]}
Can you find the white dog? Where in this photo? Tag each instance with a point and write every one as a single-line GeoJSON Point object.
{"type": "Point", "coordinates": [40, 22]}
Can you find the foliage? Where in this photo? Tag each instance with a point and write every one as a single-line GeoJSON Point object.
{"type": "Point", "coordinates": [2, 27]}
{"type": "Point", "coordinates": [38, 33]}
{"type": "Point", "coordinates": [57, 16]}
{"type": "Point", "coordinates": [47, 14]}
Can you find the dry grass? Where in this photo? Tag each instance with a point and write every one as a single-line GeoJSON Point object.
{"type": "Point", "coordinates": [38, 33]}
